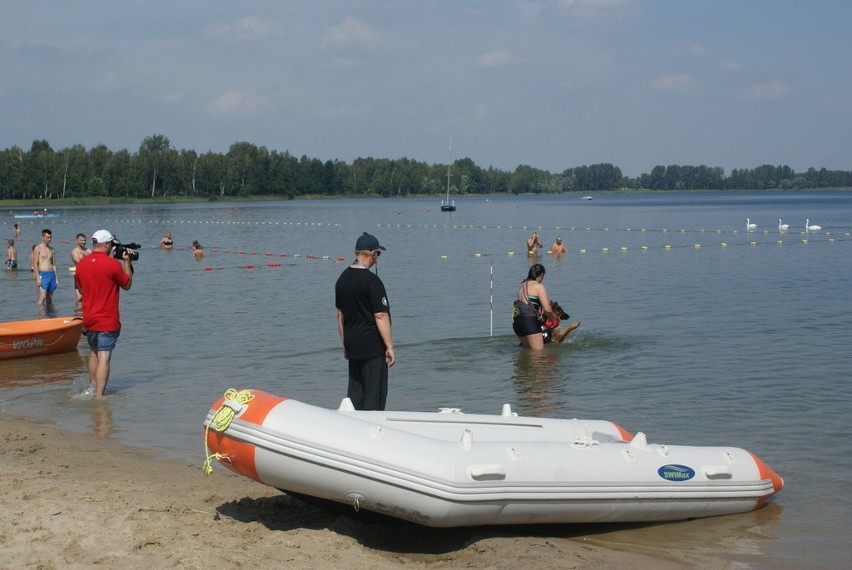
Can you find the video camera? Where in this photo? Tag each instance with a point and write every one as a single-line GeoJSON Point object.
{"type": "Point", "coordinates": [118, 250]}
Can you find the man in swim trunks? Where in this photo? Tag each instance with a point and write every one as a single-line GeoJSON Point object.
{"type": "Point", "coordinates": [557, 247]}
{"type": "Point", "coordinates": [44, 268]}
{"type": "Point", "coordinates": [12, 256]}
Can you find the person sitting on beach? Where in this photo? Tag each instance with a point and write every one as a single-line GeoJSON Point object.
{"type": "Point", "coordinates": [11, 256]}
{"type": "Point", "coordinates": [197, 250]}
{"type": "Point", "coordinates": [166, 242]}
{"type": "Point", "coordinates": [534, 244]}
{"type": "Point", "coordinates": [557, 246]}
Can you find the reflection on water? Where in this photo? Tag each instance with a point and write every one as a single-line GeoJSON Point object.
{"type": "Point", "coordinates": [38, 370]}
{"type": "Point", "coordinates": [538, 378]}
{"type": "Point", "coordinates": [700, 543]}
{"type": "Point", "coordinates": [101, 418]}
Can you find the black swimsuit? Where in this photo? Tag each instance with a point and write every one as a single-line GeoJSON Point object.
{"type": "Point", "coordinates": [525, 315]}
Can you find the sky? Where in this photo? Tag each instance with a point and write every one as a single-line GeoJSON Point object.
{"type": "Point", "coordinates": [551, 84]}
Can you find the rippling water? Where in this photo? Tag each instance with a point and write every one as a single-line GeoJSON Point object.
{"type": "Point", "coordinates": [694, 330]}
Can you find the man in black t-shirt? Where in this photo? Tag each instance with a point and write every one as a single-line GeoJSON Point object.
{"type": "Point", "coordinates": [364, 324]}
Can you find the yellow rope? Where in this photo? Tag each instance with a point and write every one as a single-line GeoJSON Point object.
{"type": "Point", "coordinates": [221, 420]}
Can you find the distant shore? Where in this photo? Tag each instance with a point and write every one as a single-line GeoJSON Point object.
{"type": "Point", "coordinates": [42, 203]}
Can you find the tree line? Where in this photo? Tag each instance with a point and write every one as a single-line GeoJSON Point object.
{"type": "Point", "coordinates": [158, 170]}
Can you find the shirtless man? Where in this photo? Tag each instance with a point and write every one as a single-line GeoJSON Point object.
{"type": "Point", "coordinates": [557, 246]}
{"type": "Point", "coordinates": [12, 256]}
{"type": "Point", "coordinates": [44, 268]}
{"type": "Point", "coordinates": [79, 252]}
{"type": "Point", "coordinates": [533, 245]}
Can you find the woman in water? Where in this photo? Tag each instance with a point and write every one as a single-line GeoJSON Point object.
{"type": "Point", "coordinates": [197, 250]}
{"type": "Point", "coordinates": [532, 303]}
{"type": "Point", "coordinates": [166, 242]}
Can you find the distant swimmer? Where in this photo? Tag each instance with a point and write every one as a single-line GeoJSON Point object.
{"type": "Point", "coordinates": [166, 242]}
{"type": "Point", "coordinates": [197, 250]}
{"type": "Point", "coordinates": [534, 244]}
{"type": "Point", "coordinates": [11, 256]}
{"type": "Point", "coordinates": [557, 246]}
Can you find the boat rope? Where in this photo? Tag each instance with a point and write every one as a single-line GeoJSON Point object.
{"type": "Point", "coordinates": [234, 402]}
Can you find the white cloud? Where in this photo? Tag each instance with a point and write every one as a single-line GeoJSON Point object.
{"type": "Point", "coordinates": [237, 103]}
{"type": "Point", "coordinates": [732, 66]}
{"type": "Point", "coordinates": [246, 29]}
{"type": "Point", "coordinates": [352, 32]}
{"type": "Point", "coordinates": [698, 49]}
{"type": "Point", "coordinates": [499, 58]}
{"type": "Point", "coordinates": [768, 91]}
{"type": "Point", "coordinates": [110, 80]}
{"type": "Point", "coordinates": [595, 8]}
{"type": "Point", "coordinates": [673, 82]}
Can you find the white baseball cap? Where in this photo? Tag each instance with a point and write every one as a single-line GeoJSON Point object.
{"type": "Point", "coordinates": [102, 236]}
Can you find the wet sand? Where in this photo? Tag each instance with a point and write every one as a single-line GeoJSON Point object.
{"type": "Point", "coordinates": [71, 500]}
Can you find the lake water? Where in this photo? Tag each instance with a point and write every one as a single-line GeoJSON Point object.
{"type": "Point", "coordinates": [694, 330]}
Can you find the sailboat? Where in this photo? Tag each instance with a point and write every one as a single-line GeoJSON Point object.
{"type": "Point", "coordinates": [449, 206]}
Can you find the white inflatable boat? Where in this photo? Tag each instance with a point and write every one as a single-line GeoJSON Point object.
{"type": "Point", "coordinates": [448, 469]}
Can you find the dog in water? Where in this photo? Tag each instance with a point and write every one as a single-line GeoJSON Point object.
{"type": "Point", "coordinates": [550, 329]}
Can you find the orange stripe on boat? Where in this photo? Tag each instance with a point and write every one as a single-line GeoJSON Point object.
{"type": "Point", "coordinates": [766, 472]}
{"type": "Point", "coordinates": [625, 435]}
{"type": "Point", "coordinates": [239, 456]}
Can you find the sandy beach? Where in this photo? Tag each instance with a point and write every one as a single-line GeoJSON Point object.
{"type": "Point", "coordinates": [75, 501]}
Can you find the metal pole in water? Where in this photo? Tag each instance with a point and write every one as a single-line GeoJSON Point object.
{"type": "Point", "coordinates": [491, 295]}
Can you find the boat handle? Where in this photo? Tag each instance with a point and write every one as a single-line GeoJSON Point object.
{"type": "Point", "coordinates": [717, 471]}
{"type": "Point", "coordinates": [487, 472]}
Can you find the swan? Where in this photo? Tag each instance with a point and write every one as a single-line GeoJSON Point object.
{"type": "Point", "coordinates": [808, 226]}
{"type": "Point", "coordinates": [749, 225]}
{"type": "Point", "coordinates": [783, 226]}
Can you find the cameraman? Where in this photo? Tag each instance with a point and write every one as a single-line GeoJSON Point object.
{"type": "Point", "coordinates": [100, 277]}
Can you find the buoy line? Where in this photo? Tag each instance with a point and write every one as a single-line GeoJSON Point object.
{"type": "Point", "coordinates": [718, 231]}
{"type": "Point", "coordinates": [665, 247]}
{"type": "Point", "coordinates": [227, 222]}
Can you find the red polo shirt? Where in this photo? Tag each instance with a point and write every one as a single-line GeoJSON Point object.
{"type": "Point", "coordinates": [99, 278]}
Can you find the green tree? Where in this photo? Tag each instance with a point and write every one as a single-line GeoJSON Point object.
{"type": "Point", "coordinates": [154, 152]}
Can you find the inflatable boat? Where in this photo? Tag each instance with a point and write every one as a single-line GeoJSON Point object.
{"type": "Point", "coordinates": [447, 468]}
{"type": "Point", "coordinates": [39, 336]}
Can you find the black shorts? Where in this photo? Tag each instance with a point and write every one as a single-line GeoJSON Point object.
{"type": "Point", "coordinates": [525, 326]}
